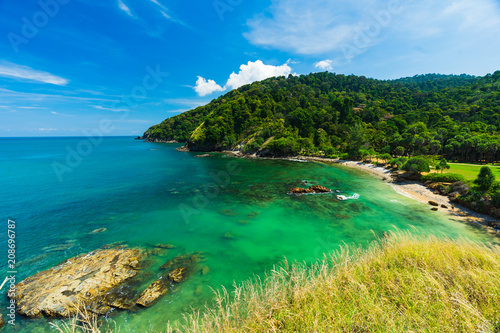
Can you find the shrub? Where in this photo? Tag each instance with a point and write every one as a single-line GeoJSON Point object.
{"type": "Point", "coordinates": [417, 165]}
{"type": "Point", "coordinates": [485, 178]}
{"type": "Point", "coordinates": [495, 199]}
{"type": "Point", "coordinates": [444, 178]}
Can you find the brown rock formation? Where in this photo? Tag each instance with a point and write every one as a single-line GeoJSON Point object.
{"type": "Point", "coordinates": [89, 280]}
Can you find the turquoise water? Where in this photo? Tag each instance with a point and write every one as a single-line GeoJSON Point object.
{"type": "Point", "coordinates": [234, 210]}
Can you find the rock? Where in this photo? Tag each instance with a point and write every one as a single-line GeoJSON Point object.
{"type": "Point", "coordinates": [253, 215]}
{"type": "Point", "coordinates": [183, 260]}
{"type": "Point", "coordinates": [154, 291]}
{"type": "Point", "coordinates": [2, 322]}
{"type": "Point", "coordinates": [84, 280]}
{"type": "Point", "coordinates": [165, 246]}
{"type": "Point", "coordinates": [299, 190]}
{"type": "Point", "coordinates": [204, 155]}
{"type": "Point", "coordinates": [444, 206]}
{"type": "Point", "coordinates": [227, 212]}
{"type": "Point", "coordinates": [177, 275]}
{"type": "Point", "coordinates": [228, 235]}
{"type": "Point", "coordinates": [310, 190]}
{"type": "Point", "coordinates": [199, 290]}
{"type": "Point", "coordinates": [320, 189]}
{"type": "Point", "coordinates": [434, 209]}
{"type": "Point", "coordinates": [97, 231]}
{"type": "Point", "coordinates": [433, 203]}
{"type": "Point", "coordinates": [205, 270]}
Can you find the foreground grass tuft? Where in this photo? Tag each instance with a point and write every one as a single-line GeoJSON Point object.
{"type": "Point", "coordinates": [401, 283]}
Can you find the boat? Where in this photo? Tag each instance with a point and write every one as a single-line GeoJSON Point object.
{"type": "Point", "coordinates": [341, 197]}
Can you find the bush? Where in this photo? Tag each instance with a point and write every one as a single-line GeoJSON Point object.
{"type": "Point", "coordinates": [417, 165]}
{"type": "Point", "coordinates": [444, 177]}
{"type": "Point", "coordinates": [398, 163]}
{"type": "Point", "coordinates": [344, 156]}
{"type": "Point", "coordinates": [485, 178]}
{"type": "Point", "coordinates": [495, 199]}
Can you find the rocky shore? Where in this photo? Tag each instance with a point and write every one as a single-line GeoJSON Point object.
{"type": "Point", "coordinates": [101, 281]}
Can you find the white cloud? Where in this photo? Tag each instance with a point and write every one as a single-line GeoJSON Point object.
{"type": "Point", "coordinates": [123, 7]}
{"type": "Point", "coordinates": [251, 72]}
{"type": "Point", "coordinates": [456, 35]}
{"type": "Point", "coordinates": [62, 114]}
{"type": "Point", "coordinates": [326, 65]}
{"type": "Point", "coordinates": [206, 87]}
{"type": "Point", "coordinates": [11, 70]}
{"type": "Point", "coordinates": [108, 109]}
{"type": "Point", "coordinates": [256, 71]}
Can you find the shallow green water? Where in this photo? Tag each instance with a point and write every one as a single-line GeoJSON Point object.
{"type": "Point", "coordinates": [236, 211]}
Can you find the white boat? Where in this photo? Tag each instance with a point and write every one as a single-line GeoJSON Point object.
{"type": "Point", "coordinates": [341, 197]}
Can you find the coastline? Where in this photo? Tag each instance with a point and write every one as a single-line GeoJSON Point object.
{"type": "Point", "coordinates": [411, 189]}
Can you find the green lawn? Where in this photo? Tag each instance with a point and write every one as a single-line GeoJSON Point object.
{"type": "Point", "coordinates": [471, 171]}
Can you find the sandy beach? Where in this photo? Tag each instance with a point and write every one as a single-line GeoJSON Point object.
{"type": "Point", "coordinates": [416, 191]}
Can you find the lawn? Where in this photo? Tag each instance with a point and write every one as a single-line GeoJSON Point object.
{"type": "Point", "coordinates": [470, 171]}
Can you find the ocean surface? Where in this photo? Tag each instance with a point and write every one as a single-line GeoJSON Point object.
{"type": "Point", "coordinates": [237, 211]}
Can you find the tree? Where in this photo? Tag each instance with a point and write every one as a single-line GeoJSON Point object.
{"type": "Point", "coordinates": [417, 165]}
{"type": "Point", "coordinates": [443, 165]}
{"type": "Point", "coordinates": [399, 151]}
{"type": "Point", "coordinates": [485, 178]}
{"type": "Point", "coordinates": [385, 157]}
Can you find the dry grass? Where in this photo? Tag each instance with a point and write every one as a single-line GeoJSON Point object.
{"type": "Point", "coordinates": [83, 321]}
{"type": "Point", "coordinates": [402, 283]}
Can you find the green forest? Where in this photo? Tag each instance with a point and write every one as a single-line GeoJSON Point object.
{"type": "Point", "coordinates": [326, 114]}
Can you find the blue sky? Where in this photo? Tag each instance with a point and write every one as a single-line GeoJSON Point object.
{"type": "Point", "coordinates": [67, 66]}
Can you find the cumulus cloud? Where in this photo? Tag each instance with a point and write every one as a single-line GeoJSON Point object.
{"type": "Point", "coordinates": [251, 72]}
{"type": "Point", "coordinates": [326, 65]}
{"type": "Point", "coordinates": [256, 71]}
{"type": "Point", "coordinates": [15, 71]}
{"type": "Point", "coordinates": [206, 87]}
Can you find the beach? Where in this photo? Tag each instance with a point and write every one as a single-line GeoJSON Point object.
{"type": "Point", "coordinates": [417, 191]}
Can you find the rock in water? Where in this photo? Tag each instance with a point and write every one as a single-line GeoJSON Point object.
{"type": "Point", "coordinates": [312, 189]}
{"type": "Point", "coordinates": [98, 231]}
{"type": "Point", "coordinates": [84, 280]}
{"type": "Point", "coordinates": [177, 275]}
{"type": "Point", "coordinates": [320, 189]}
{"type": "Point", "coordinates": [433, 203]}
{"type": "Point", "coordinates": [155, 290]}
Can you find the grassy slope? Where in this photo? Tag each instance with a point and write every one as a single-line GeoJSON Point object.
{"type": "Point", "coordinates": [401, 283]}
{"type": "Point", "coordinates": [470, 171]}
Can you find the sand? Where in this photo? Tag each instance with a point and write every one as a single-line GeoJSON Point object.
{"type": "Point", "coordinates": [417, 191]}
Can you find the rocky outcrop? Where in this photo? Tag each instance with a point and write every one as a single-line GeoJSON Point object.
{"type": "Point", "coordinates": [155, 290]}
{"type": "Point", "coordinates": [91, 280]}
{"type": "Point", "coordinates": [311, 190]}
{"type": "Point", "coordinates": [179, 270]}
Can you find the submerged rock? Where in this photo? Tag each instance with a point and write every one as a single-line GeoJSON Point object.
{"type": "Point", "coordinates": [98, 231]}
{"type": "Point", "coordinates": [180, 269]}
{"type": "Point", "coordinates": [87, 280]}
{"type": "Point", "coordinates": [165, 246]}
{"type": "Point", "coordinates": [155, 290]}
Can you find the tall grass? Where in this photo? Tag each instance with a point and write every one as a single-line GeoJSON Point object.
{"type": "Point", "coordinates": [401, 283]}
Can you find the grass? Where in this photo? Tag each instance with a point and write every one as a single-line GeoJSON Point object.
{"type": "Point", "coordinates": [401, 283]}
{"type": "Point", "coordinates": [470, 171]}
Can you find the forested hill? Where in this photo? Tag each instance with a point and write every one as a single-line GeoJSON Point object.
{"type": "Point", "coordinates": [457, 116]}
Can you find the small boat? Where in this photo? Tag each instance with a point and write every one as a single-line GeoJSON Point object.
{"type": "Point", "coordinates": [341, 197]}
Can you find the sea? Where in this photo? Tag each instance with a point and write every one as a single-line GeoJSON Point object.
{"type": "Point", "coordinates": [56, 191]}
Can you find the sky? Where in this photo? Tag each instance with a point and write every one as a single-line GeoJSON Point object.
{"type": "Point", "coordinates": [116, 67]}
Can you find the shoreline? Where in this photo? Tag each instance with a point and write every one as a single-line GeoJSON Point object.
{"type": "Point", "coordinates": [410, 189]}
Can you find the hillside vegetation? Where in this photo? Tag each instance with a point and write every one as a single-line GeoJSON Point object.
{"type": "Point", "coordinates": [402, 283]}
{"type": "Point", "coordinates": [329, 114]}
